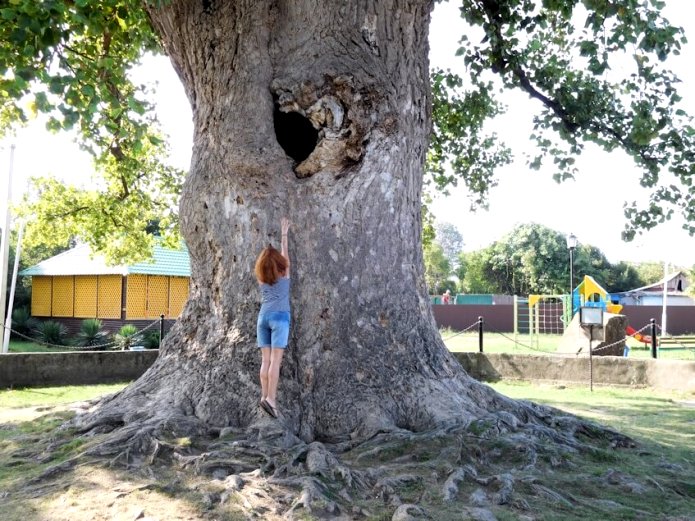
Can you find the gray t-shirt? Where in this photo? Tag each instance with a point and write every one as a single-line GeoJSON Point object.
{"type": "Point", "coordinates": [275, 297]}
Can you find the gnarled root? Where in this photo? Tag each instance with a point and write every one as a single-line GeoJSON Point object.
{"type": "Point", "coordinates": [497, 458]}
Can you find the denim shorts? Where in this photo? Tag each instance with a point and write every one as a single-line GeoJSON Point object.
{"type": "Point", "coordinates": [273, 329]}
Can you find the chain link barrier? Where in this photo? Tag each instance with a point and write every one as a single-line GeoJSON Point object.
{"type": "Point", "coordinates": [77, 348]}
{"type": "Point", "coordinates": [515, 341]}
{"type": "Point", "coordinates": [474, 324]}
{"type": "Point", "coordinates": [603, 348]}
{"type": "Point", "coordinates": [490, 329]}
{"type": "Point", "coordinates": [538, 350]}
{"type": "Point", "coordinates": [675, 340]}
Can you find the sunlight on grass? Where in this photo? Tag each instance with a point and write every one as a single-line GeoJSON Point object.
{"type": "Point", "coordinates": [22, 346]}
{"type": "Point", "coordinates": [660, 417]}
{"type": "Point", "coordinates": [46, 396]}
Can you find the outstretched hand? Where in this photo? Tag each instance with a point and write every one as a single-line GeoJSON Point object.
{"type": "Point", "coordinates": [285, 225]}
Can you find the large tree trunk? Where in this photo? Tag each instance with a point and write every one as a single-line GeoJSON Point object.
{"type": "Point", "coordinates": [364, 355]}
{"type": "Point", "coordinates": [317, 111]}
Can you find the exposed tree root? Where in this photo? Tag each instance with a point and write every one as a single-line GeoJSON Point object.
{"type": "Point", "coordinates": [500, 459]}
{"type": "Point", "coordinates": [496, 460]}
{"type": "Point", "coordinates": [475, 470]}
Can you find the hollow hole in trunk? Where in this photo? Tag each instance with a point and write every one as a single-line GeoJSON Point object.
{"type": "Point", "coordinates": [295, 134]}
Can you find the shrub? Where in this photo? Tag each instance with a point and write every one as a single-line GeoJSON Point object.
{"type": "Point", "coordinates": [23, 322]}
{"type": "Point", "coordinates": [91, 333]}
{"type": "Point", "coordinates": [52, 332]}
{"type": "Point", "coordinates": [127, 336]}
{"type": "Point", "coordinates": [151, 340]}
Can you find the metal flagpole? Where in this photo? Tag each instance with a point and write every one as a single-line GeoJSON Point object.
{"type": "Point", "coordinates": [10, 302]}
{"type": "Point", "coordinates": [5, 243]}
{"type": "Point", "coordinates": [664, 300]}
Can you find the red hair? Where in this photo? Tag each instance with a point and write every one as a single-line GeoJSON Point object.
{"type": "Point", "coordinates": [270, 265]}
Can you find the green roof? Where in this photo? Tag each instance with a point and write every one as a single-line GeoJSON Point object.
{"type": "Point", "coordinates": [165, 262]}
{"type": "Point", "coordinates": [80, 261]}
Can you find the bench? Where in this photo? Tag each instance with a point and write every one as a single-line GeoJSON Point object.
{"type": "Point", "coordinates": [681, 342]}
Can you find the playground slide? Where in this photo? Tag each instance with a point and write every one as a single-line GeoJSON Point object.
{"type": "Point", "coordinates": [645, 339]}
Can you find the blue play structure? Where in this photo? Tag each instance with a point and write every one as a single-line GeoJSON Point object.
{"type": "Point", "coordinates": [589, 293]}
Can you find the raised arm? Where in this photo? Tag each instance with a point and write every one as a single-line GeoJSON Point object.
{"type": "Point", "coordinates": [285, 226]}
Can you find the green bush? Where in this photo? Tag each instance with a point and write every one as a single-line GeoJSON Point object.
{"type": "Point", "coordinates": [91, 334]}
{"type": "Point", "coordinates": [52, 332]}
{"type": "Point", "coordinates": [151, 340]}
{"type": "Point", "coordinates": [127, 336]}
{"type": "Point", "coordinates": [23, 322]}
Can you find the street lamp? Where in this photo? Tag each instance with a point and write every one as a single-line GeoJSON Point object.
{"type": "Point", "coordinates": [571, 245]}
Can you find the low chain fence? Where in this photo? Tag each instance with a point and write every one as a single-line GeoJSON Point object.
{"type": "Point", "coordinates": [97, 347]}
{"type": "Point", "coordinates": [647, 334]}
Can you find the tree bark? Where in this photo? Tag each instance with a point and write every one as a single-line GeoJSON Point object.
{"type": "Point", "coordinates": [365, 355]}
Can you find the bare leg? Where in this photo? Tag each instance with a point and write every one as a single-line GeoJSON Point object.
{"type": "Point", "coordinates": [265, 365]}
{"type": "Point", "coordinates": [274, 374]}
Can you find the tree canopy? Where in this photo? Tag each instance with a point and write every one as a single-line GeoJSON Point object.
{"type": "Point", "coordinates": [533, 259]}
{"type": "Point", "coordinates": [449, 238]}
{"type": "Point", "coordinates": [69, 62]}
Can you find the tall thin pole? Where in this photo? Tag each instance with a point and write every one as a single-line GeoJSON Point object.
{"type": "Point", "coordinates": [571, 282]}
{"type": "Point", "coordinates": [10, 303]}
{"type": "Point", "coordinates": [5, 244]}
{"type": "Point", "coordinates": [664, 300]}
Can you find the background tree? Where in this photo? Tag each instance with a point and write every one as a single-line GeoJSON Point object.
{"type": "Point", "coordinates": [589, 260]}
{"type": "Point", "coordinates": [623, 277]}
{"type": "Point", "coordinates": [437, 270]}
{"type": "Point", "coordinates": [690, 290]}
{"type": "Point", "coordinates": [323, 113]}
{"type": "Point", "coordinates": [474, 274]}
{"type": "Point", "coordinates": [533, 259]}
{"type": "Point", "coordinates": [650, 272]}
{"type": "Point", "coordinates": [451, 241]}
{"type": "Point", "coordinates": [529, 259]}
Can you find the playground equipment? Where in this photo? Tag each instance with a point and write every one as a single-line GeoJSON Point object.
{"type": "Point", "coordinates": [552, 314]}
{"type": "Point", "coordinates": [547, 314]}
{"type": "Point", "coordinates": [540, 314]}
{"type": "Point", "coordinates": [645, 339]}
{"type": "Point", "coordinates": [589, 293]}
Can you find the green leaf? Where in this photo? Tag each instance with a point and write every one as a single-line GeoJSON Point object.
{"type": "Point", "coordinates": [8, 14]}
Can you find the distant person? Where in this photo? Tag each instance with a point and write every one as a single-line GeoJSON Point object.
{"type": "Point", "coordinates": [446, 297]}
{"type": "Point", "coordinates": [273, 327]}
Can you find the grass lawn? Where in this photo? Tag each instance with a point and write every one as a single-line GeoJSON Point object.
{"type": "Point", "coordinates": [539, 344]}
{"type": "Point", "coordinates": [662, 424]}
{"type": "Point", "coordinates": [49, 396]}
{"type": "Point", "coordinates": [659, 418]}
{"type": "Point", "coordinates": [23, 346]}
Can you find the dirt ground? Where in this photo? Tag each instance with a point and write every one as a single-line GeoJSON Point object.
{"type": "Point", "coordinates": [42, 480]}
{"type": "Point", "coordinates": [92, 492]}
{"type": "Point", "coordinates": [97, 491]}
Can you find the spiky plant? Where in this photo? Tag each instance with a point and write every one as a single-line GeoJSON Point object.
{"type": "Point", "coordinates": [52, 332]}
{"type": "Point", "coordinates": [23, 322]}
{"type": "Point", "coordinates": [91, 333]}
{"type": "Point", "coordinates": [127, 336]}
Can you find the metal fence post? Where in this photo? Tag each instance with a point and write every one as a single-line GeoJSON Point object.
{"type": "Point", "coordinates": [652, 324]}
{"type": "Point", "coordinates": [480, 334]}
{"type": "Point", "coordinates": [161, 328]}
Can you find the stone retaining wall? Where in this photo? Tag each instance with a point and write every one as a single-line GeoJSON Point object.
{"type": "Point", "coordinates": [47, 369]}
{"type": "Point", "coordinates": [607, 370]}
{"type": "Point", "coordinates": [78, 368]}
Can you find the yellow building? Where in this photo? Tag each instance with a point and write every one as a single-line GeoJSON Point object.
{"type": "Point", "coordinates": [75, 285]}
